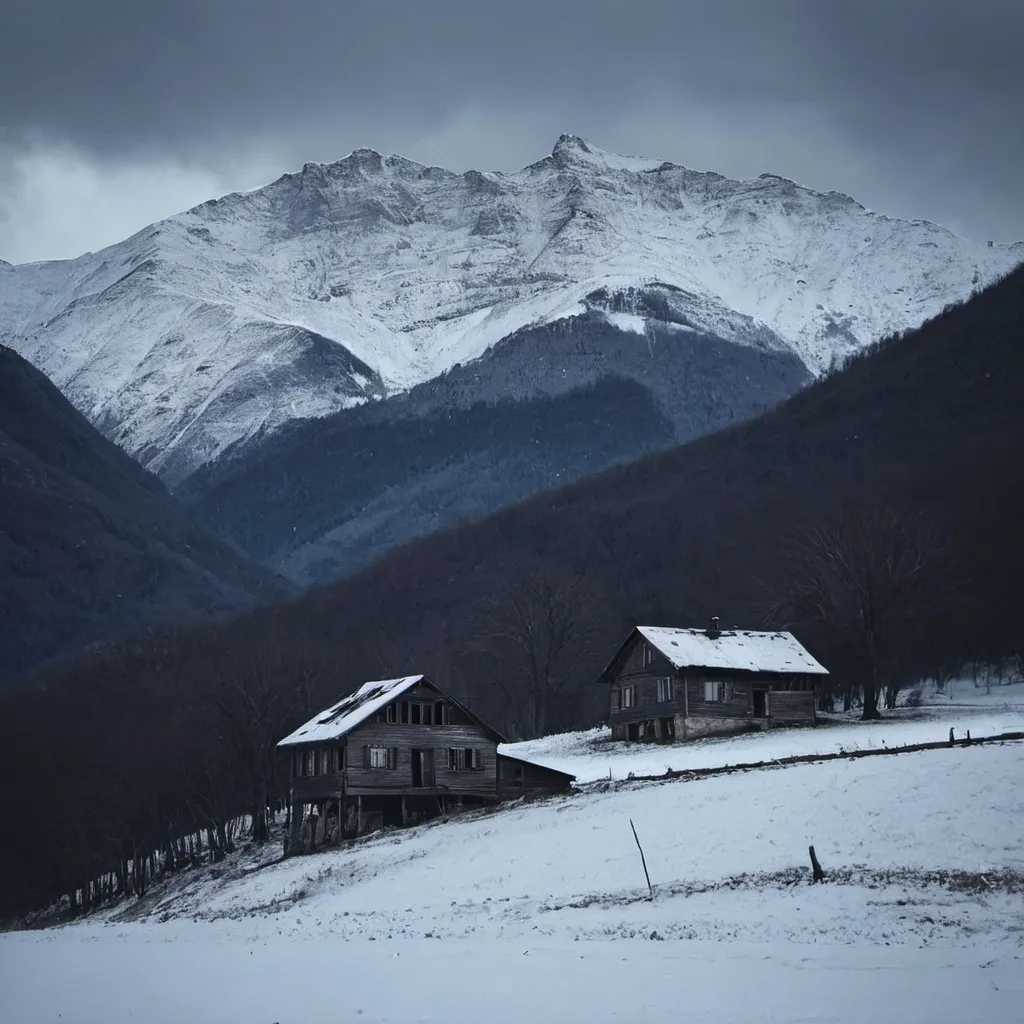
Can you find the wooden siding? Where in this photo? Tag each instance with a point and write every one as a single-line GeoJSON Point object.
{"type": "Point", "coordinates": [631, 665]}
{"type": "Point", "coordinates": [791, 696]}
{"type": "Point", "coordinates": [317, 787]}
{"type": "Point", "coordinates": [737, 706]}
{"type": "Point", "coordinates": [791, 705]}
{"type": "Point", "coordinates": [406, 738]}
{"type": "Point", "coordinates": [631, 672]}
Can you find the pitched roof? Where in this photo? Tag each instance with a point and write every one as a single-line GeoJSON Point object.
{"type": "Point", "coordinates": [535, 764]}
{"type": "Point", "coordinates": [743, 649]}
{"type": "Point", "coordinates": [343, 717]}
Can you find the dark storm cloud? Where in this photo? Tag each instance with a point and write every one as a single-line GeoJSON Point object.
{"type": "Point", "coordinates": [920, 101]}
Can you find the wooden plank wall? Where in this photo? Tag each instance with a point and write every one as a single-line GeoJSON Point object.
{"type": "Point", "coordinates": [792, 696]}
{"type": "Point", "coordinates": [791, 705]}
{"type": "Point", "coordinates": [406, 738]}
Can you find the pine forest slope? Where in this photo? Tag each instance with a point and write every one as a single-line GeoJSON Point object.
{"type": "Point", "coordinates": [91, 545]}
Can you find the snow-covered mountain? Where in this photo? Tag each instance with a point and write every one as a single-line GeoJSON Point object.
{"type": "Point", "coordinates": [349, 281]}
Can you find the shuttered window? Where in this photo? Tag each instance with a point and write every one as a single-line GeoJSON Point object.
{"type": "Point", "coordinates": [464, 759]}
{"type": "Point", "coordinates": [716, 690]}
{"type": "Point", "coordinates": [416, 713]}
{"type": "Point", "coordinates": [380, 758]}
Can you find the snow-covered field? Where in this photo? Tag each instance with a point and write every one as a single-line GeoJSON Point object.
{"type": "Point", "coordinates": [540, 911]}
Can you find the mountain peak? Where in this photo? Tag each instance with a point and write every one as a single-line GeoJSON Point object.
{"type": "Point", "coordinates": [569, 144]}
{"type": "Point", "coordinates": [373, 274]}
{"type": "Point", "coordinates": [572, 151]}
{"type": "Point", "coordinates": [364, 159]}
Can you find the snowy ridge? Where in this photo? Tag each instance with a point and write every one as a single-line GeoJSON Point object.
{"type": "Point", "coordinates": [349, 281]}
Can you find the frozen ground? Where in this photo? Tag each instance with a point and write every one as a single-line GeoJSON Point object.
{"type": "Point", "coordinates": [207, 977]}
{"type": "Point", "coordinates": [540, 912]}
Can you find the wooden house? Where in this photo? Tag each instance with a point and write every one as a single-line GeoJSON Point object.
{"type": "Point", "coordinates": [668, 684]}
{"type": "Point", "coordinates": [396, 752]}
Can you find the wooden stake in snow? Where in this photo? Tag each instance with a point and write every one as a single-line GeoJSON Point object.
{"type": "Point", "coordinates": [643, 859]}
{"type": "Point", "coordinates": [817, 874]}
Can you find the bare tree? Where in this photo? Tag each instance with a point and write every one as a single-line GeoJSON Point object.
{"type": "Point", "coordinates": [538, 626]}
{"type": "Point", "coordinates": [866, 586]}
{"type": "Point", "coordinates": [256, 704]}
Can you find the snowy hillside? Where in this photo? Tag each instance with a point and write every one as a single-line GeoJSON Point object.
{"type": "Point", "coordinates": [592, 756]}
{"type": "Point", "coordinates": [349, 281]}
{"type": "Point", "coordinates": [545, 908]}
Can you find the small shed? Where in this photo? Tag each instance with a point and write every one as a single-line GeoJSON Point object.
{"type": "Point", "coordinates": [518, 778]}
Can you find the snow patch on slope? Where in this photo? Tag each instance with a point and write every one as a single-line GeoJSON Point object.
{"type": "Point", "coordinates": [629, 322]}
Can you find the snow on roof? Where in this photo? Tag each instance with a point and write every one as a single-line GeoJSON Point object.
{"type": "Point", "coordinates": [743, 649]}
{"type": "Point", "coordinates": [343, 717]}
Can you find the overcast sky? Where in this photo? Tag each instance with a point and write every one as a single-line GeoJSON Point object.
{"type": "Point", "coordinates": [118, 112]}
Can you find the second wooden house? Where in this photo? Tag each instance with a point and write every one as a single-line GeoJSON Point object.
{"type": "Point", "coordinates": [668, 684]}
{"type": "Point", "coordinates": [396, 752]}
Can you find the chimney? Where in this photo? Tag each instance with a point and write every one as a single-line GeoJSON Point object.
{"type": "Point", "coordinates": [713, 632]}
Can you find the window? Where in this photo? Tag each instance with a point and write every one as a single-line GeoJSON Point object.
{"type": "Point", "coordinates": [384, 758]}
{"type": "Point", "coordinates": [646, 656]}
{"type": "Point", "coordinates": [325, 762]}
{"type": "Point", "coordinates": [517, 775]}
{"type": "Point", "coordinates": [391, 714]}
{"type": "Point", "coordinates": [716, 690]}
{"type": "Point", "coordinates": [628, 696]}
{"type": "Point", "coordinates": [417, 713]}
{"type": "Point", "coordinates": [664, 689]}
{"type": "Point", "coordinates": [464, 759]}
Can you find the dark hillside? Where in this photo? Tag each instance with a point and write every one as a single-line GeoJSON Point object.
{"type": "Point", "coordinates": [91, 545]}
{"type": "Point", "coordinates": [546, 406]}
{"type": "Point", "coordinates": [933, 422]}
